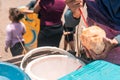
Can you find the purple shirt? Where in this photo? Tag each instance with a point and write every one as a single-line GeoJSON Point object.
{"type": "Point", "coordinates": [12, 31]}
{"type": "Point", "coordinates": [51, 12]}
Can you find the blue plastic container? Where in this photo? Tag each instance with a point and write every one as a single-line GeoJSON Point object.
{"type": "Point", "coordinates": [9, 71]}
{"type": "Point", "coordinates": [97, 70]}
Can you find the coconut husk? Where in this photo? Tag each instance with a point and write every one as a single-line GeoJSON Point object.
{"type": "Point", "coordinates": [92, 39]}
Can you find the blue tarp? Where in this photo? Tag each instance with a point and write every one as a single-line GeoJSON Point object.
{"type": "Point", "coordinates": [97, 70]}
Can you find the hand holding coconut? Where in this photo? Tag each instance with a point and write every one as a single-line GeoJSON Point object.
{"type": "Point", "coordinates": [96, 43]}
{"type": "Point", "coordinates": [109, 45]}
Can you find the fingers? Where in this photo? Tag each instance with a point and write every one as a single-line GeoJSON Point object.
{"type": "Point", "coordinates": [108, 45]}
{"type": "Point", "coordinates": [93, 54]}
{"type": "Point", "coordinates": [97, 56]}
{"type": "Point", "coordinates": [79, 2]}
{"type": "Point", "coordinates": [74, 3]}
{"type": "Point", "coordinates": [6, 50]}
{"type": "Point", "coordinates": [105, 40]}
{"type": "Point", "coordinates": [87, 53]}
{"type": "Point", "coordinates": [67, 33]}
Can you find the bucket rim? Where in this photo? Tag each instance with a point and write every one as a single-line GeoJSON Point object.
{"type": "Point", "coordinates": [38, 49]}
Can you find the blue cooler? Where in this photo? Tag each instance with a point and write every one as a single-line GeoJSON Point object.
{"type": "Point", "coordinates": [9, 71]}
{"type": "Point", "coordinates": [97, 70]}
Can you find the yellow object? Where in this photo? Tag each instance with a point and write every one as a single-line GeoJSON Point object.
{"type": "Point", "coordinates": [32, 24]}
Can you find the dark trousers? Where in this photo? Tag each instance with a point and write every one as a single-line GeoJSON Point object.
{"type": "Point", "coordinates": [17, 49]}
{"type": "Point", "coordinates": [50, 35]}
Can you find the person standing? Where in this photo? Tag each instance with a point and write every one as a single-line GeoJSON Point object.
{"type": "Point", "coordinates": [69, 30]}
{"type": "Point", "coordinates": [50, 12]}
{"type": "Point", "coordinates": [14, 32]}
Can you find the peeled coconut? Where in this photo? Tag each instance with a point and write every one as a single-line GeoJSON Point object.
{"type": "Point", "coordinates": [92, 39]}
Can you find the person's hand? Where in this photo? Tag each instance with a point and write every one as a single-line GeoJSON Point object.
{"type": "Point", "coordinates": [74, 5]}
{"type": "Point", "coordinates": [37, 6]}
{"type": "Point", "coordinates": [109, 45]}
{"type": "Point", "coordinates": [6, 49]}
{"type": "Point", "coordinates": [66, 33]}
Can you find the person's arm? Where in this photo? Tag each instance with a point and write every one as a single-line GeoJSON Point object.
{"type": "Point", "coordinates": [24, 28]}
{"type": "Point", "coordinates": [63, 18]}
{"type": "Point", "coordinates": [27, 11]}
{"type": "Point", "coordinates": [8, 38]}
{"type": "Point", "coordinates": [37, 7]}
{"type": "Point", "coordinates": [109, 45]}
{"type": "Point", "coordinates": [74, 6]}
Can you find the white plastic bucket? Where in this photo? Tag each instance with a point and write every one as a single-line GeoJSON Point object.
{"type": "Point", "coordinates": [52, 66]}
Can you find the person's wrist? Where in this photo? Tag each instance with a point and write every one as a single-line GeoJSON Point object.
{"type": "Point", "coordinates": [115, 43]}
